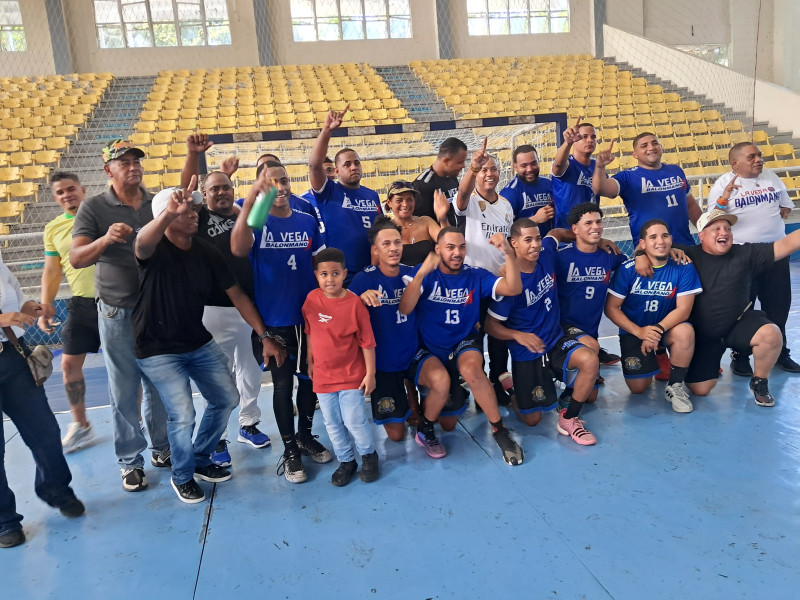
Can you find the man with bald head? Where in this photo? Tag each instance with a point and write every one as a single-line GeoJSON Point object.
{"type": "Point", "coordinates": [760, 201]}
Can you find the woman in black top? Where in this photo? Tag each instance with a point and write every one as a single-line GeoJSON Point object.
{"type": "Point", "coordinates": [418, 233]}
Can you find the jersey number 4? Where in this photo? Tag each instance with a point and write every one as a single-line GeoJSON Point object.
{"type": "Point", "coordinates": [292, 262]}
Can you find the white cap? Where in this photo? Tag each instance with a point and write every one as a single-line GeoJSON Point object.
{"type": "Point", "coordinates": [160, 200]}
{"type": "Point", "coordinates": [709, 217]}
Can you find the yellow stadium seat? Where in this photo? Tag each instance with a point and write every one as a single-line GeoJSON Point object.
{"type": "Point", "coordinates": [737, 137]}
{"type": "Point", "coordinates": [158, 151]}
{"type": "Point", "coordinates": [11, 209]}
{"type": "Point", "coordinates": [34, 172]}
{"type": "Point", "coordinates": [46, 157]}
{"type": "Point", "coordinates": [703, 141]}
{"type": "Point", "coordinates": [153, 165]}
{"type": "Point", "coordinates": [767, 151]}
{"type": "Point", "coordinates": [171, 180]}
{"type": "Point", "coordinates": [152, 181]}
{"type": "Point", "coordinates": [734, 125]}
{"type": "Point", "coordinates": [783, 151]}
{"type": "Point", "coordinates": [684, 142]}
{"type": "Point", "coordinates": [145, 127]}
{"type": "Point", "coordinates": [25, 189]}
{"type": "Point", "coordinates": [9, 174]}
{"type": "Point", "coordinates": [760, 137]}
{"type": "Point", "coordinates": [162, 137]}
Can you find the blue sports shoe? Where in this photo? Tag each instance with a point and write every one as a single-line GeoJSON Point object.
{"type": "Point", "coordinates": [249, 434]}
{"type": "Point", "coordinates": [221, 457]}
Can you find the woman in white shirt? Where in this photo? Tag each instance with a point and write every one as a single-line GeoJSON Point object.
{"type": "Point", "coordinates": [26, 405]}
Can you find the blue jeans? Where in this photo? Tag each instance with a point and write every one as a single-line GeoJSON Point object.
{"type": "Point", "coordinates": [124, 376]}
{"type": "Point", "coordinates": [170, 373]}
{"type": "Point", "coordinates": [26, 406]}
{"type": "Point", "coordinates": [344, 411]}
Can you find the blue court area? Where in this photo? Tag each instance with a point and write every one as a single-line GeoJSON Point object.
{"type": "Point", "coordinates": [703, 506]}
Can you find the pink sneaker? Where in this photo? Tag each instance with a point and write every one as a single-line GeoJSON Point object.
{"type": "Point", "coordinates": [432, 446]}
{"type": "Point", "coordinates": [575, 429]}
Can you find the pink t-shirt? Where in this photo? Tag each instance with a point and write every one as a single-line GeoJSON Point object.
{"type": "Point", "coordinates": [339, 328]}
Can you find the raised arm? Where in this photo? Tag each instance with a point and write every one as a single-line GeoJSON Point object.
{"type": "Point", "coordinates": [196, 144]}
{"type": "Point", "coordinates": [602, 184]}
{"type": "Point", "coordinates": [511, 282]}
{"type": "Point", "coordinates": [561, 161]}
{"type": "Point", "coordinates": [150, 235]}
{"type": "Point", "coordinates": [413, 290]}
{"type": "Point", "coordinates": [788, 245]}
{"type": "Point", "coordinates": [316, 162]}
{"type": "Point", "coordinates": [479, 158]}
{"type": "Point", "coordinates": [242, 234]}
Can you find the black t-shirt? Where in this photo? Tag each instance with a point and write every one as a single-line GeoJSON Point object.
{"type": "Point", "coordinates": [426, 183]}
{"type": "Point", "coordinates": [217, 228]}
{"type": "Point", "coordinates": [726, 285]}
{"type": "Point", "coordinates": [174, 288]}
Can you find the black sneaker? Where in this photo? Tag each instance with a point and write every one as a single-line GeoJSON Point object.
{"type": "Point", "coordinates": [369, 468]}
{"type": "Point", "coordinates": [786, 363]}
{"type": "Point", "coordinates": [134, 480]}
{"type": "Point", "coordinates": [606, 358]}
{"type": "Point", "coordinates": [213, 473]}
{"type": "Point", "coordinates": [342, 476]}
{"type": "Point", "coordinates": [72, 508]}
{"type": "Point", "coordinates": [188, 492]}
{"type": "Point", "coordinates": [163, 460]}
{"type": "Point", "coordinates": [512, 452]}
{"type": "Point", "coordinates": [740, 364]}
{"type": "Point", "coordinates": [760, 389]}
{"type": "Point", "coordinates": [12, 538]}
{"type": "Point", "coordinates": [291, 466]}
{"type": "Point", "coordinates": [309, 446]}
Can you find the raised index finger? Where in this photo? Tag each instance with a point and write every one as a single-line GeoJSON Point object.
{"type": "Point", "coordinates": [193, 185]}
{"type": "Point", "coordinates": [484, 143]}
{"type": "Point", "coordinates": [611, 145]}
{"type": "Point", "coordinates": [578, 122]}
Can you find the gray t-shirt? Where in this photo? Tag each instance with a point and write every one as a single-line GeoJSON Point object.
{"type": "Point", "coordinates": [116, 275]}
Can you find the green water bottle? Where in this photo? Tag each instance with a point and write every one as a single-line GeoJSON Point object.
{"type": "Point", "coordinates": [260, 211]}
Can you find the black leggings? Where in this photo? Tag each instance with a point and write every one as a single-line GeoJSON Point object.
{"type": "Point", "coordinates": [773, 288]}
{"type": "Point", "coordinates": [283, 382]}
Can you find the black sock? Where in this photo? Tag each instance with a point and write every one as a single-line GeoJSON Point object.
{"type": "Point", "coordinates": [289, 442]}
{"type": "Point", "coordinates": [574, 409]}
{"type": "Point", "coordinates": [425, 427]}
{"type": "Point", "coordinates": [496, 426]}
{"type": "Point", "coordinates": [677, 374]}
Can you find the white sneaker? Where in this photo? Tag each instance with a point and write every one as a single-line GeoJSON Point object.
{"type": "Point", "coordinates": [77, 437]}
{"type": "Point", "coordinates": [678, 395]}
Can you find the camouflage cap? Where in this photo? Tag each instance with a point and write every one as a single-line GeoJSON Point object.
{"type": "Point", "coordinates": [116, 148]}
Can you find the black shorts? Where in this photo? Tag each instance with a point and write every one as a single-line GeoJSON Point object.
{"type": "Point", "coordinates": [572, 330]}
{"type": "Point", "coordinates": [293, 341]}
{"type": "Point", "coordinates": [457, 402]}
{"type": "Point", "coordinates": [80, 333]}
{"type": "Point", "coordinates": [534, 384]}
{"type": "Point", "coordinates": [708, 353]}
{"type": "Point", "coordinates": [636, 365]}
{"type": "Point", "coordinates": [389, 399]}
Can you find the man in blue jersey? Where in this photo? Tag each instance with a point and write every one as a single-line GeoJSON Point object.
{"type": "Point", "coordinates": [650, 190]}
{"type": "Point", "coordinates": [572, 173]}
{"type": "Point", "coordinates": [583, 272]}
{"type": "Point", "coordinates": [530, 195]}
{"type": "Point", "coordinates": [281, 257]}
{"type": "Point", "coordinates": [380, 288]}
{"type": "Point", "coordinates": [330, 173]}
{"type": "Point", "coordinates": [530, 323]}
{"type": "Point", "coordinates": [282, 183]}
{"type": "Point", "coordinates": [348, 209]}
{"type": "Point", "coordinates": [447, 294]}
{"type": "Point", "coordinates": [653, 312]}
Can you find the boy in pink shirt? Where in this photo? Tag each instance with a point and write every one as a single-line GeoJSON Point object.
{"type": "Point", "coordinates": [341, 365]}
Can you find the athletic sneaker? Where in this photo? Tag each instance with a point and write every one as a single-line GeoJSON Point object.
{"type": "Point", "coordinates": [432, 446]}
{"type": "Point", "coordinates": [607, 358]}
{"type": "Point", "coordinates": [221, 457]}
{"type": "Point", "coordinates": [212, 473]}
{"type": "Point", "coordinates": [163, 460]}
{"type": "Point", "coordinates": [663, 366]}
{"type": "Point", "coordinates": [760, 389]}
{"type": "Point", "coordinates": [77, 437]}
{"type": "Point", "coordinates": [512, 452]}
{"type": "Point", "coordinates": [250, 434]}
{"type": "Point", "coordinates": [786, 363]}
{"type": "Point", "coordinates": [740, 364]}
{"type": "Point", "coordinates": [369, 468]}
{"type": "Point", "coordinates": [291, 466]}
{"type": "Point", "coordinates": [189, 492]}
{"type": "Point", "coordinates": [309, 446]}
{"type": "Point", "coordinates": [72, 508]}
{"type": "Point", "coordinates": [342, 475]}
{"type": "Point", "coordinates": [575, 429]}
{"type": "Point", "coordinates": [133, 480]}
{"type": "Point", "coordinates": [678, 395]}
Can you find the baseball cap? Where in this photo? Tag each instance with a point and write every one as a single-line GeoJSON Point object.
{"type": "Point", "coordinates": [398, 187]}
{"type": "Point", "coordinates": [116, 148]}
{"type": "Point", "coordinates": [709, 217]}
{"type": "Point", "coordinates": [160, 200]}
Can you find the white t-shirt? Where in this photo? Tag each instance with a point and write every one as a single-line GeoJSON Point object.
{"type": "Point", "coordinates": [757, 203]}
{"type": "Point", "coordinates": [11, 298]}
{"type": "Point", "coordinates": [484, 219]}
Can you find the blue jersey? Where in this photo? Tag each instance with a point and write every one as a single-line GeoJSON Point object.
{"type": "Point", "coordinates": [395, 333]}
{"type": "Point", "coordinates": [527, 198]}
{"type": "Point", "coordinates": [573, 187]}
{"type": "Point", "coordinates": [656, 194]}
{"type": "Point", "coordinates": [648, 300]}
{"type": "Point", "coordinates": [283, 273]}
{"type": "Point", "coordinates": [347, 214]}
{"type": "Point", "coordinates": [583, 280]}
{"type": "Point", "coordinates": [449, 307]}
{"type": "Point", "coordinates": [535, 310]}
{"type": "Point", "coordinates": [310, 207]}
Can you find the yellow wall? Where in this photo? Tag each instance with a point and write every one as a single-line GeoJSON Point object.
{"type": "Point", "coordinates": [38, 59]}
